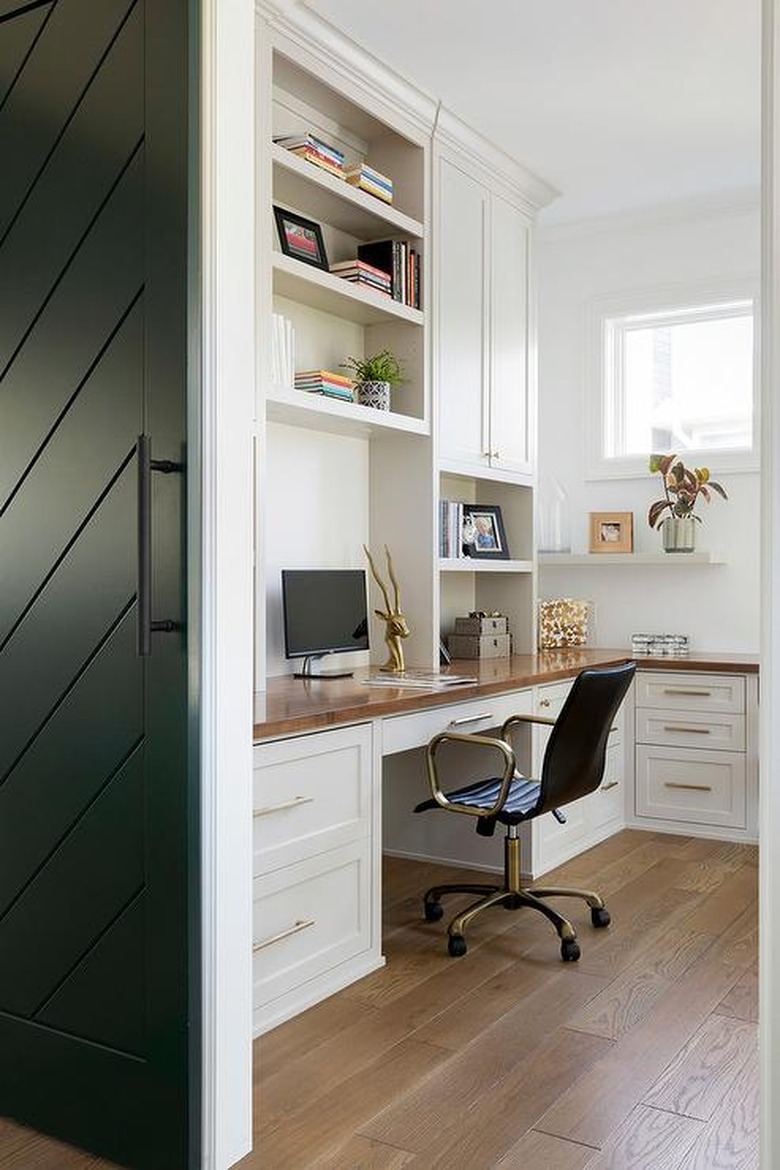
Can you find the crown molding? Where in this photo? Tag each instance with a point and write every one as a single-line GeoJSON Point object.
{"type": "Point", "coordinates": [454, 134]}
{"type": "Point", "coordinates": [346, 59]}
{"type": "Point", "coordinates": [723, 205]}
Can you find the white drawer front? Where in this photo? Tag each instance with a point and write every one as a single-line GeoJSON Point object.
{"type": "Point", "coordinates": [703, 787]}
{"type": "Point", "coordinates": [697, 729]}
{"type": "Point", "coordinates": [607, 803]}
{"type": "Point", "coordinates": [402, 732]}
{"type": "Point", "coordinates": [311, 793]}
{"type": "Point", "coordinates": [308, 918]}
{"type": "Point", "coordinates": [678, 691]}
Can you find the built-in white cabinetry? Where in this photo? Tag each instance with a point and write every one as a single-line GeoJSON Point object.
{"type": "Point", "coordinates": [546, 842]}
{"type": "Point", "coordinates": [316, 919]}
{"type": "Point", "coordinates": [695, 752]}
{"type": "Point", "coordinates": [481, 337]}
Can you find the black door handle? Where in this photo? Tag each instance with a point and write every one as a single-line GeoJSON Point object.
{"type": "Point", "coordinates": [145, 466]}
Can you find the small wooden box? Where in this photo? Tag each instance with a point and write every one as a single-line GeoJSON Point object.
{"type": "Point", "coordinates": [480, 626]}
{"type": "Point", "coordinates": [476, 646]}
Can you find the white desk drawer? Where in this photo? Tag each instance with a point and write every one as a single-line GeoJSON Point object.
{"type": "Point", "coordinates": [697, 729]}
{"type": "Point", "coordinates": [402, 732]}
{"type": "Point", "coordinates": [311, 793]}
{"type": "Point", "coordinates": [703, 787]}
{"type": "Point", "coordinates": [308, 918]}
{"type": "Point", "coordinates": [678, 691]}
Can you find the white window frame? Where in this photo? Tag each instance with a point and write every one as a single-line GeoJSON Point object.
{"type": "Point", "coordinates": [605, 404]}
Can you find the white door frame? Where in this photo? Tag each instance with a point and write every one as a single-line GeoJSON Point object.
{"type": "Point", "coordinates": [224, 434]}
{"type": "Point", "coordinates": [769, 914]}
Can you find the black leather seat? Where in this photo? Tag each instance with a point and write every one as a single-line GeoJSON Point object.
{"type": "Point", "coordinates": [572, 767]}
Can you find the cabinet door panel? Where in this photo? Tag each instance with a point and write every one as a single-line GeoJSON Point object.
{"type": "Point", "coordinates": [461, 340]}
{"type": "Point", "coordinates": [509, 423]}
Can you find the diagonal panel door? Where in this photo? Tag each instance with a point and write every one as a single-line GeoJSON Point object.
{"type": "Point", "coordinates": [97, 837]}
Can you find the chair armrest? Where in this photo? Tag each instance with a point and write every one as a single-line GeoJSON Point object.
{"type": "Point", "coordinates": [481, 741]}
{"type": "Point", "coordinates": [547, 720]}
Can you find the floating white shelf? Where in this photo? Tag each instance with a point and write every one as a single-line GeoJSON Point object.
{"type": "Point", "coordinates": [477, 565]}
{"type": "Point", "coordinates": [321, 290]}
{"type": "Point", "coordinates": [607, 560]}
{"type": "Point", "coordinates": [318, 412]}
{"type": "Point", "coordinates": [331, 199]}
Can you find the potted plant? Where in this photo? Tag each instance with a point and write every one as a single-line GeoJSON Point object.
{"type": "Point", "coordinates": [374, 378]}
{"type": "Point", "coordinates": [682, 490]}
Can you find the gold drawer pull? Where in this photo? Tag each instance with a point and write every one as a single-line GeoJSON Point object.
{"type": "Point", "coordinates": [680, 691]}
{"type": "Point", "coordinates": [614, 727]}
{"type": "Point", "coordinates": [544, 702]}
{"type": "Point", "coordinates": [612, 784]}
{"type": "Point", "coordinates": [272, 808]}
{"type": "Point", "coordinates": [689, 787]}
{"type": "Point", "coordinates": [301, 924]}
{"type": "Point", "coordinates": [692, 730]}
{"type": "Point", "coordinates": [470, 719]}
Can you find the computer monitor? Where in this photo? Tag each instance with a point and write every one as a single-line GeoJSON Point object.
{"type": "Point", "coordinates": [325, 612]}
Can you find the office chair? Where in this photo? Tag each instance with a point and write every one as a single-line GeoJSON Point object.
{"type": "Point", "coordinates": [573, 766]}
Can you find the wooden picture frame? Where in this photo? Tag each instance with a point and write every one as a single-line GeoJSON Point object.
{"type": "Point", "coordinates": [611, 532]}
{"type": "Point", "coordinates": [300, 238]}
{"type": "Point", "coordinates": [484, 535]}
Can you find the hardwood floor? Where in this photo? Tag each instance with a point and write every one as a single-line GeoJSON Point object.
{"type": "Point", "coordinates": [643, 1054]}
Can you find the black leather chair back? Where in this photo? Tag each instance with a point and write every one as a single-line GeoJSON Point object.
{"type": "Point", "coordinates": [576, 750]}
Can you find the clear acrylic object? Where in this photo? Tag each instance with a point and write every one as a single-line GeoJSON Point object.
{"type": "Point", "coordinates": [554, 525]}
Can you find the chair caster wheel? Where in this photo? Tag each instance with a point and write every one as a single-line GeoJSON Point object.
{"type": "Point", "coordinates": [570, 950]}
{"type": "Point", "coordinates": [433, 911]}
{"type": "Point", "coordinates": [456, 945]}
{"type": "Point", "coordinates": [599, 916]}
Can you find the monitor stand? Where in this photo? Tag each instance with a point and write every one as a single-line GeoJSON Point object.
{"type": "Point", "coordinates": [306, 671]}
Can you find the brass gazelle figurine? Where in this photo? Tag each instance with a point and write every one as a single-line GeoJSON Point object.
{"type": "Point", "coordinates": [395, 622]}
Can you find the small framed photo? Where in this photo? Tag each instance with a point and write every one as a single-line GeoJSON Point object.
{"type": "Point", "coordinates": [611, 532]}
{"type": "Point", "coordinates": [483, 532]}
{"type": "Point", "coordinates": [300, 238]}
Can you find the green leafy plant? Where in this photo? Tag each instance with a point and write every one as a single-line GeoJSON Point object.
{"type": "Point", "coordinates": [379, 367]}
{"type": "Point", "coordinates": [682, 489]}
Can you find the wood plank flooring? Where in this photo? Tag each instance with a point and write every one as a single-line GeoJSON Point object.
{"type": "Point", "coordinates": [642, 1055]}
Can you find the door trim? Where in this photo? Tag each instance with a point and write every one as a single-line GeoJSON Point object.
{"type": "Point", "coordinates": [221, 538]}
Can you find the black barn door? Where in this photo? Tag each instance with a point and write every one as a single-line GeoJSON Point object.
{"type": "Point", "coordinates": [98, 864]}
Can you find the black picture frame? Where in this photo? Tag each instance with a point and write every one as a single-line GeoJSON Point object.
{"type": "Point", "coordinates": [484, 535]}
{"type": "Point", "coordinates": [300, 238]}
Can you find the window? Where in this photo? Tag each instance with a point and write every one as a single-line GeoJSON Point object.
{"type": "Point", "coordinates": [678, 380]}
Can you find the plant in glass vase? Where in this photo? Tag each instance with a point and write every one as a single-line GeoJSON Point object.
{"type": "Point", "coordinates": [374, 378]}
{"type": "Point", "coordinates": [683, 488]}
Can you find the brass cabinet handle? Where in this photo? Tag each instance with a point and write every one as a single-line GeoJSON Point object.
{"type": "Point", "coordinates": [680, 691]}
{"type": "Point", "coordinates": [300, 924]}
{"type": "Point", "coordinates": [544, 702]}
{"type": "Point", "coordinates": [470, 719]}
{"type": "Point", "coordinates": [681, 727]}
{"type": "Point", "coordinates": [272, 808]}
{"type": "Point", "coordinates": [689, 787]}
{"type": "Point", "coordinates": [612, 784]}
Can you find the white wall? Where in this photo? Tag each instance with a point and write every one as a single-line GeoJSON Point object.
{"type": "Point", "coordinates": [320, 520]}
{"type": "Point", "coordinates": [717, 606]}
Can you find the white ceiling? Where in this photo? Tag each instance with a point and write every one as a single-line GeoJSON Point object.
{"type": "Point", "coordinates": [619, 104]}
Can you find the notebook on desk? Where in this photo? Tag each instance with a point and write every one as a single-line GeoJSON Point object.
{"type": "Point", "coordinates": [422, 678]}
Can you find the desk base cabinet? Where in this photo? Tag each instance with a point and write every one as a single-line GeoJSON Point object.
{"type": "Point", "coordinates": [316, 883]}
{"type": "Point", "coordinates": [696, 753]}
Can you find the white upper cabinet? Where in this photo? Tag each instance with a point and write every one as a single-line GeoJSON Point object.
{"type": "Point", "coordinates": [482, 334]}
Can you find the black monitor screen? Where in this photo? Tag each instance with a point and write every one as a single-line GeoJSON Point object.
{"type": "Point", "coordinates": [324, 611]}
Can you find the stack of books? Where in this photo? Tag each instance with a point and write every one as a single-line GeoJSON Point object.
{"type": "Point", "coordinates": [358, 272]}
{"type": "Point", "coordinates": [451, 529]}
{"type": "Point", "coordinates": [322, 154]}
{"type": "Point", "coordinates": [325, 382]}
{"type": "Point", "coordinates": [367, 179]}
{"type": "Point", "coordinates": [402, 262]}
